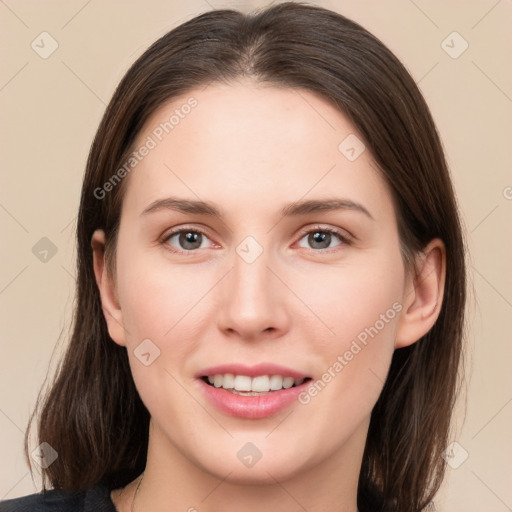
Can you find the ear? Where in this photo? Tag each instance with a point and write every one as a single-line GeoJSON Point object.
{"type": "Point", "coordinates": [107, 288]}
{"type": "Point", "coordinates": [423, 295]}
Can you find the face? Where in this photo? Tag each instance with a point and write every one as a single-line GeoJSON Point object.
{"type": "Point", "coordinates": [291, 275]}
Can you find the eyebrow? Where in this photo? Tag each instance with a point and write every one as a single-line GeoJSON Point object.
{"type": "Point", "coordinates": [317, 205]}
{"type": "Point", "coordinates": [294, 209]}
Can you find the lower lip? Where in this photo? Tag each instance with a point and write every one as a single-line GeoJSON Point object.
{"type": "Point", "coordinates": [251, 407]}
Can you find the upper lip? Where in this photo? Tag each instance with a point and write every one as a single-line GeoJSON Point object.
{"type": "Point", "coordinates": [251, 371]}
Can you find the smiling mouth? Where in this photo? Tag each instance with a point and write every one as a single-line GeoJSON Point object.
{"type": "Point", "coordinates": [244, 385]}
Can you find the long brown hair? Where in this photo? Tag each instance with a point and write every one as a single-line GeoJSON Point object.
{"type": "Point", "coordinates": [93, 416]}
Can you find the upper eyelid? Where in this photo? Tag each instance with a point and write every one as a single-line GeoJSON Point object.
{"type": "Point", "coordinates": [337, 231]}
{"type": "Point", "coordinates": [172, 232]}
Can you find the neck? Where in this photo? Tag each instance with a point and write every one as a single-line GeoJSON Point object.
{"type": "Point", "coordinates": [173, 482]}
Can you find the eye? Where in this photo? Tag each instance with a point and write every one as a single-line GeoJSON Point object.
{"type": "Point", "coordinates": [187, 239]}
{"type": "Point", "coordinates": [323, 238]}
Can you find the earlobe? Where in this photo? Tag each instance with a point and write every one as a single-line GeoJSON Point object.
{"type": "Point", "coordinates": [423, 295]}
{"type": "Point", "coordinates": [107, 289]}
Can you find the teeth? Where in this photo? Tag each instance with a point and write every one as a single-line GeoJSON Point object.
{"type": "Point", "coordinates": [259, 384]}
{"type": "Point", "coordinates": [228, 381]}
{"type": "Point", "coordinates": [288, 382]}
{"type": "Point", "coordinates": [242, 382]}
{"type": "Point", "coordinates": [276, 382]}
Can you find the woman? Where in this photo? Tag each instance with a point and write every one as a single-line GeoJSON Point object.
{"type": "Point", "coordinates": [271, 281]}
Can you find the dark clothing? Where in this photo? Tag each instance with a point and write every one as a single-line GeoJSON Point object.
{"type": "Point", "coordinates": [95, 499]}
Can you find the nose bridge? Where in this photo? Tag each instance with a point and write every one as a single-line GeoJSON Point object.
{"type": "Point", "coordinates": [252, 301]}
{"type": "Point", "coordinates": [251, 278]}
{"type": "Point", "coordinates": [251, 286]}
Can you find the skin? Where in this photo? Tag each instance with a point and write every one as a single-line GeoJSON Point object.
{"type": "Point", "coordinates": [251, 150]}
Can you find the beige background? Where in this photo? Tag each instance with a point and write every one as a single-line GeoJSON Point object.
{"type": "Point", "coordinates": [51, 108]}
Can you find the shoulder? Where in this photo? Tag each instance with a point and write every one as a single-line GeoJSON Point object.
{"type": "Point", "coordinates": [94, 499]}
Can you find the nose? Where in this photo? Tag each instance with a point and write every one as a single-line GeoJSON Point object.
{"type": "Point", "coordinates": [253, 301]}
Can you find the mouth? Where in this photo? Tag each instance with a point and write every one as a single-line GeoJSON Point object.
{"type": "Point", "coordinates": [244, 385]}
{"type": "Point", "coordinates": [252, 392]}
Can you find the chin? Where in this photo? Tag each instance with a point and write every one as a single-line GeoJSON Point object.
{"type": "Point", "coordinates": [262, 473]}
{"type": "Point", "coordinates": [246, 462]}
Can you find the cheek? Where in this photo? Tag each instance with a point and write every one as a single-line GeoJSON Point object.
{"type": "Point", "coordinates": [159, 303]}
{"type": "Point", "coordinates": [158, 297]}
{"type": "Point", "coordinates": [353, 300]}
{"type": "Point", "coordinates": [167, 304]}
{"type": "Point", "coordinates": [362, 308]}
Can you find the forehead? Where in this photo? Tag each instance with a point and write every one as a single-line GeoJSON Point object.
{"type": "Point", "coordinates": [236, 144]}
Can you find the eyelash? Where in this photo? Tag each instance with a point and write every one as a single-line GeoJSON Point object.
{"type": "Point", "coordinates": [344, 240]}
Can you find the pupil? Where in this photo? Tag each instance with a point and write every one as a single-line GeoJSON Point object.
{"type": "Point", "coordinates": [324, 239]}
{"type": "Point", "coordinates": [190, 240]}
